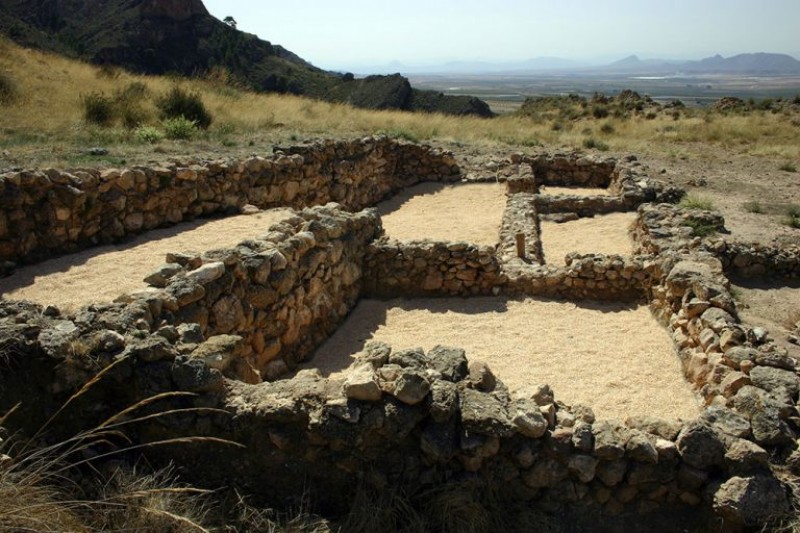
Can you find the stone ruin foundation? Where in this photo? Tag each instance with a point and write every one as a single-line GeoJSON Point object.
{"type": "Point", "coordinates": [231, 325]}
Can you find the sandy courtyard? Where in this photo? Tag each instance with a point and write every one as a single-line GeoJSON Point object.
{"type": "Point", "coordinates": [466, 212]}
{"type": "Point", "coordinates": [604, 234]}
{"type": "Point", "coordinates": [610, 356]}
{"type": "Point", "coordinates": [101, 274]}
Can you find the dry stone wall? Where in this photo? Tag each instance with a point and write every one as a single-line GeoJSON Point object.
{"type": "Point", "coordinates": [273, 299]}
{"type": "Point", "coordinates": [50, 212]}
{"type": "Point", "coordinates": [748, 381]}
{"type": "Point", "coordinates": [407, 269]}
{"type": "Point", "coordinates": [411, 419]}
{"type": "Point", "coordinates": [752, 260]}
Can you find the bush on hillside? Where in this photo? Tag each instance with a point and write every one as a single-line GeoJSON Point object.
{"type": "Point", "coordinates": [129, 104]}
{"type": "Point", "coordinates": [179, 103]}
{"type": "Point", "coordinates": [98, 109]}
{"type": "Point", "coordinates": [8, 89]}
{"type": "Point", "coordinates": [179, 128]}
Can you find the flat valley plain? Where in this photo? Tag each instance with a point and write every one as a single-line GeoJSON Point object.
{"type": "Point", "coordinates": [506, 92]}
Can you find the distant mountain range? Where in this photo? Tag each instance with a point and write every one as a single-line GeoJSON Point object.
{"type": "Point", "coordinates": [757, 64]}
{"type": "Point", "coordinates": [181, 37]}
{"type": "Point", "coordinates": [743, 64]}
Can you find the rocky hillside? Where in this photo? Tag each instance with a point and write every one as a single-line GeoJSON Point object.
{"type": "Point", "coordinates": [180, 36]}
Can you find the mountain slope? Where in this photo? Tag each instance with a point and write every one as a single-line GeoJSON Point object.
{"type": "Point", "coordinates": [180, 36]}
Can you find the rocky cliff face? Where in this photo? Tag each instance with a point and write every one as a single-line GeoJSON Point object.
{"type": "Point", "coordinates": [180, 36]}
{"type": "Point", "coordinates": [173, 9]}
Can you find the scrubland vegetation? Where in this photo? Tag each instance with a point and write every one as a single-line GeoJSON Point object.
{"type": "Point", "coordinates": [54, 109]}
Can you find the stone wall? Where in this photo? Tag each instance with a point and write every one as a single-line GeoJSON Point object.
{"type": "Point", "coordinates": [412, 420]}
{"type": "Point", "coordinates": [521, 217]}
{"type": "Point", "coordinates": [50, 212]}
{"type": "Point", "coordinates": [748, 381]}
{"type": "Point", "coordinates": [752, 260]}
{"type": "Point", "coordinates": [409, 420]}
{"type": "Point", "coordinates": [585, 276]}
{"type": "Point", "coordinates": [273, 298]}
{"type": "Point", "coordinates": [408, 269]}
{"type": "Point", "coordinates": [572, 170]}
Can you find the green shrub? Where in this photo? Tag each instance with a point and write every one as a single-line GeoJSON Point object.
{"type": "Point", "coordinates": [400, 133]}
{"type": "Point", "coordinates": [691, 201]}
{"type": "Point", "coordinates": [753, 207]}
{"type": "Point", "coordinates": [788, 167]}
{"type": "Point", "coordinates": [129, 103]}
{"type": "Point", "coordinates": [98, 109]}
{"type": "Point", "coordinates": [148, 134]}
{"type": "Point", "coordinates": [179, 103]}
{"type": "Point", "coordinates": [793, 217]}
{"type": "Point", "coordinates": [700, 229]}
{"type": "Point", "coordinates": [8, 89]}
{"type": "Point", "coordinates": [179, 128]}
{"type": "Point", "coordinates": [607, 128]}
{"type": "Point", "coordinates": [599, 111]}
{"type": "Point", "coordinates": [591, 142]}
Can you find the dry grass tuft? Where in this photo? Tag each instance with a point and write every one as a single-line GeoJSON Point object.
{"type": "Point", "coordinates": [40, 488]}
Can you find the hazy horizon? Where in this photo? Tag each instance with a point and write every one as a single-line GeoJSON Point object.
{"type": "Point", "coordinates": [352, 34]}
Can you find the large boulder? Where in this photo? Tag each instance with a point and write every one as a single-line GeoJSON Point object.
{"type": "Point", "coordinates": [751, 502]}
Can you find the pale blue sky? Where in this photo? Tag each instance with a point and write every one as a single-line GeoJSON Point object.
{"type": "Point", "coordinates": [346, 34]}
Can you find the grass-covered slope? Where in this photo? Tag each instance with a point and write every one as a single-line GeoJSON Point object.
{"type": "Point", "coordinates": [170, 37]}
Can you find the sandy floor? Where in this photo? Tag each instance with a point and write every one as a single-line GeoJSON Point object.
{"type": "Point", "coordinates": [573, 191]}
{"type": "Point", "coordinates": [606, 234]}
{"type": "Point", "coordinates": [466, 212]}
{"type": "Point", "coordinates": [771, 304]}
{"type": "Point", "coordinates": [612, 357]}
{"type": "Point", "coordinates": [103, 273]}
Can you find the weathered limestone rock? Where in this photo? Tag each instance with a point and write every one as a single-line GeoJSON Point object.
{"type": "Point", "coordinates": [751, 502]}
{"type": "Point", "coordinates": [207, 273]}
{"type": "Point", "coordinates": [444, 400]}
{"type": "Point", "coordinates": [771, 379]}
{"type": "Point", "coordinates": [484, 414]}
{"type": "Point", "coordinates": [727, 422]}
{"type": "Point", "coordinates": [641, 449]}
{"type": "Point", "coordinates": [746, 456]}
{"type": "Point", "coordinates": [193, 375]}
{"type": "Point", "coordinates": [450, 363]}
{"type": "Point", "coordinates": [361, 384]}
{"type": "Point", "coordinates": [610, 441]}
{"type": "Point", "coordinates": [160, 276]}
{"type": "Point", "coordinates": [481, 376]}
{"type": "Point", "coordinates": [701, 446]}
{"type": "Point", "coordinates": [527, 418]}
{"type": "Point", "coordinates": [583, 467]}
{"type": "Point", "coordinates": [219, 351]}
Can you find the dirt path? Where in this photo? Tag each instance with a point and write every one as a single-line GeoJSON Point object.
{"type": "Point", "coordinates": [736, 184]}
{"type": "Point", "coordinates": [613, 357]}
{"type": "Point", "coordinates": [103, 273]}
{"type": "Point", "coordinates": [466, 212]}
{"type": "Point", "coordinates": [771, 304]}
{"type": "Point", "coordinates": [604, 234]}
